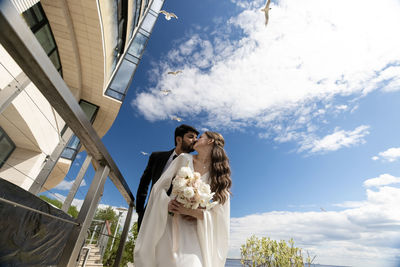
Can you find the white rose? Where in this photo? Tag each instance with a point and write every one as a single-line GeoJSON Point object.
{"type": "Point", "coordinates": [185, 172]}
{"type": "Point", "coordinates": [188, 192]}
{"type": "Point", "coordinates": [204, 188]}
{"type": "Point", "coordinates": [179, 183]}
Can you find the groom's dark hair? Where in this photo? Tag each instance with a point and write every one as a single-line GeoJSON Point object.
{"type": "Point", "coordinates": [183, 129]}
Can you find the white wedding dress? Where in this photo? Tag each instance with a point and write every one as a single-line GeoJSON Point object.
{"type": "Point", "coordinates": [171, 241]}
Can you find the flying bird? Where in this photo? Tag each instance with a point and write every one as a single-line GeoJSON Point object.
{"type": "Point", "coordinates": [144, 153]}
{"type": "Point", "coordinates": [322, 209]}
{"type": "Point", "coordinates": [175, 72]}
{"type": "Point", "coordinates": [266, 10]}
{"type": "Point", "coordinates": [168, 15]}
{"type": "Point", "coordinates": [176, 118]}
{"type": "Point", "coordinates": [165, 91]}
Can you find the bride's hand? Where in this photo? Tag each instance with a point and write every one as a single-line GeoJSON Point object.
{"type": "Point", "coordinates": [178, 208]}
{"type": "Point", "coordinates": [173, 206]}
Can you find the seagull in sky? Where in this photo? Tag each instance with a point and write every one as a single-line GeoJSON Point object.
{"type": "Point", "coordinates": [175, 72]}
{"type": "Point", "coordinates": [144, 153]}
{"type": "Point", "coordinates": [168, 15]}
{"type": "Point", "coordinates": [266, 10]}
{"type": "Point", "coordinates": [176, 118]}
{"type": "Point", "coordinates": [165, 91]}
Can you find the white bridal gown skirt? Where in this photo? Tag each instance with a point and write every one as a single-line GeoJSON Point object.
{"type": "Point", "coordinates": [188, 249]}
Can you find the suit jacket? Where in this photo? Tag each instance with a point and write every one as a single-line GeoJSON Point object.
{"type": "Point", "coordinates": [152, 173]}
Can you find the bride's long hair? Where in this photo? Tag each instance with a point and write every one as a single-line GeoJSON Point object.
{"type": "Point", "coordinates": [220, 172]}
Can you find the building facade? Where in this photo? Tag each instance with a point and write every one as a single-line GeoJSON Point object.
{"type": "Point", "coordinates": [96, 46]}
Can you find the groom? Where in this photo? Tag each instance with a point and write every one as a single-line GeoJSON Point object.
{"type": "Point", "coordinates": [185, 137]}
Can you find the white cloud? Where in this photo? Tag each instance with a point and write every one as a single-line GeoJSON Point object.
{"type": "Point", "coordinates": [66, 185]}
{"type": "Point", "coordinates": [364, 233]}
{"type": "Point", "coordinates": [284, 77]}
{"type": "Point", "coordinates": [391, 155]}
{"type": "Point", "coordinates": [383, 179]}
{"type": "Point", "coordinates": [336, 140]}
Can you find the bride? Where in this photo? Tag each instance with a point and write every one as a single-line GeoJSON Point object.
{"type": "Point", "coordinates": [189, 237]}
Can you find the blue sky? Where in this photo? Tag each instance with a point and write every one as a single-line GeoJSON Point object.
{"type": "Point", "coordinates": [308, 107]}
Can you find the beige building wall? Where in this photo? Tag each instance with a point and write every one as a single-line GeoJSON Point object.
{"type": "Point", "coordinates": [31, 123]}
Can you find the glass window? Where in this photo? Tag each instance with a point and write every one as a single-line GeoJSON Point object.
{"type": "Point", "coordinates": [133, 19]}
{"type": "Point", "coordinates": [89, 109]}
{"type": "Point", "coordinates": [123, 77]}
{"type": "Point", "coordinates": [114, 94]}
{"type": "Point", "coordinates": [37, 21]}
{"type": "Point", "coordinates": [131, 58]}
{"type": "Point", "coordinates": [38, 12]}
{"type": "Point", "coordinates": [138, 45]}
{"type": "Point", "coordinates": [148, 22]}
{"type": "Point", "coordinates": [7, 146]}
{"type": "Point", "coordinates": [72, 148]}
{"type": "Point", "coordinates": [54, 58]}
{"type": "Point", "coordinates": [138, 8]}
{"type": "Point", "coordinates": [74, 144]}
{"type": "Point", "coordinates": [68, 153]}
{"type": "Point", "coordinates": [45, 38]}
{"type": "Point", "coordinates": [30, 18]}
{"type": "Point", "coordinates": [156, 6]}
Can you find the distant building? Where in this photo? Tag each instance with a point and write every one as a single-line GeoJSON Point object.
{"type": "Point", "coordinates": [96, 46]}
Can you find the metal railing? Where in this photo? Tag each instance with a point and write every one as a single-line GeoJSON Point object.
{"type": "Point", "coordinates": [23, 47]}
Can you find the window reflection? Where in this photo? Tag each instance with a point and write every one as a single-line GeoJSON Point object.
{"type": "Point", "coordinates": [133, 19]}
{"type": "Point", "coordinates": [157, 4]}
{"type": "Point", "coordinates": [123, 77]}
{"type": "Point", "coordinates": [148, 22]}
{"type": "Point", "coordinates": [131, 58]}
{"type": "Point", "coordinates": [138, 9]}
{"type": "Point", "coordinates": [137, 45]}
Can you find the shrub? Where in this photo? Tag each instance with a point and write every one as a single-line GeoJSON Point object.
{"type": "Point", "coordinates": [266, 252]}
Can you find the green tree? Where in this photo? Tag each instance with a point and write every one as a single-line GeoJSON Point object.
{"type": "Point", "coordinates": [73, 211]}
{"type": "Point", "coordinates": [265, 252]}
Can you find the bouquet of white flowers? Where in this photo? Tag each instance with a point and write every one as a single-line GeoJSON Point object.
{"type": "Point", "coordinates": [191, 191]}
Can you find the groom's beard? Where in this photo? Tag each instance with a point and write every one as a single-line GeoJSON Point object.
{"type": "Point", "coordinates": [187, 148]}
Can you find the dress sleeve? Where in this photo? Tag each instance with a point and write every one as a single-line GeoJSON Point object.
{"type": "Point", "coordinates": [213, 233]}
{"type": "Point", "coordinates": [155, 216]}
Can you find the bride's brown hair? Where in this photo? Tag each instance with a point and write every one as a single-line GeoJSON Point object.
{"type": "Point", "coordinates": [220, 172]}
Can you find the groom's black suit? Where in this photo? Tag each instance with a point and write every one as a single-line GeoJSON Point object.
{"type": "Point", "coordinates": [153, 171]}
